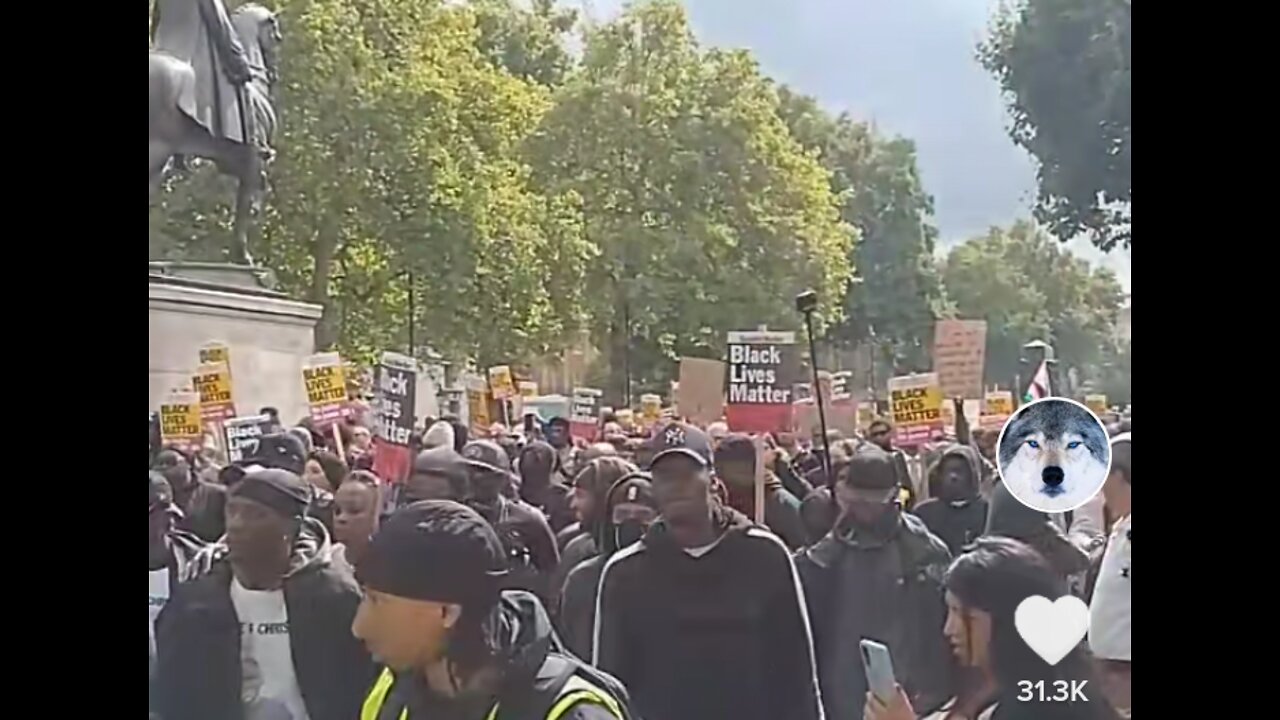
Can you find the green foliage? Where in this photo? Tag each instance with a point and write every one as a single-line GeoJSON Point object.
{"type": "Point", "coordinates": [1065, 68]}
{"type": "Point", "coordinates": [703, 213]}
{"type": "Point", "coordinates": [528, 43]}
{"type": "Point", "coordinates": [1027, 287]}
{"type": "Point", "coordinates": [881, 195]}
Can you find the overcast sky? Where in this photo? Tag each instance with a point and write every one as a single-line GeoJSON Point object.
{"type": "Point", "coordinates": [908, 66]}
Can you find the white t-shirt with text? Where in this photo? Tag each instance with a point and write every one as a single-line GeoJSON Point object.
{"type": "Point", "coordinates": [269, 687]}
{"type": "Point", "coordinates": [1111, 612]}
{"type": "Point", "coordinates": [157, 596]}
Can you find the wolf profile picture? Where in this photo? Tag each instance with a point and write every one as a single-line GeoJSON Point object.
{"type": "Point", "coordinates": [1054, 455]}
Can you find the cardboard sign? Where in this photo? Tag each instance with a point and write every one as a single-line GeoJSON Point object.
{"type": "Point", "coordinates": [395, 391]}
{"type": "Point", "coordinates": [243, 433]}
{"type": "Point", "coordinates": [700, 391]}
{"type": "Point", "coordinates": [1096, 403]}
{"type": "Point", "coordinates": [212, 381]}
{"type": "Point", "coordinates": [528, 389]}
{"type": "Point", "coordinates": [997, 406]}
{"type": "Point", "coordinates": [180, 422]}
{"type": "Point", "coordinates": [478, 418]}
{"type": "Point", "coordinates": [584, 413]}
{"type": "Point", "coordinates": [501, 384]}
{"type": "Point", "coordinates": [762, 369]}
{"type": "Point", "coordinates": [916, 404]}
{"type": "Point", "coordinates": [959, 349]}
{"type": "Point", "coordinates": [215, 351]}
{"type": "Point", "coordinates": [326, 385]}
{"type": "Point", "coordinates": [650, 409]}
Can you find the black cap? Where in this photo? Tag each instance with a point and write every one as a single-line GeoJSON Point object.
{"type": "Point", "coordinates": [436, 550]}
{"type": "Point", "coordinates": [870, 468]}
{"type": "Point", "coordinates": [636, 487]}
{"type": "Point", "coordinates": [280, 451]}
{"type": "Point", "coordinates": [280, 490]}
{"type": "Point", "coordinates": [680, 439]}
{"type": "Point", "coordinates": [443, 461]}
{"type": "Point", "coordinates": [486, 455]}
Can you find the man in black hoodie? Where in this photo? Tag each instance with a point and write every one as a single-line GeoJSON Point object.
{"type": "Point", "coordinates": [456, 647]}
{"type": "Point", "coordinates": [202, 503]}
{"type": "Point", "coordinates": [876, 575]}
{"type": "Point", "coordinates": [704, 617]}
{"type": "Point", "coordinates": [955, 512]}
{"type": "Point", "coordinates": [267, 633]}
{"type": "Point", "coordinates": [540, 484]}
{"type": "Point", "coordinates": [628, 509]}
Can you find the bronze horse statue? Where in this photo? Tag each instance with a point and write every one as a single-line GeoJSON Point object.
{"type": "Point", "coordinates": [174, 134]}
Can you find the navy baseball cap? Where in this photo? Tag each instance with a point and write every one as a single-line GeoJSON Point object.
{"type": "Point", "coordinates": [680, 439]}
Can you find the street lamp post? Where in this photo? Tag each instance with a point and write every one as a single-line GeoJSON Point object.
{"type": "Point", "coordinates": [806, 304]}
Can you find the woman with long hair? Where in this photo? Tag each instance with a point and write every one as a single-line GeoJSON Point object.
{"type": "Point", "coordinates": [1010, 681]}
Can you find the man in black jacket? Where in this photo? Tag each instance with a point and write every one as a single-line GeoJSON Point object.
{"type": "Point", "coordinates": [202, 503]}
{"type": "Point", "coordinates": [704, 617]}
{"type": "Point", "coordinates": [735, 464]}
{"type": "Point", "coordinates": [876, 575]}
{"type": "Point", "coordinates": [266, 634]}
{"type": "Point", "coordinates": [955, 512]}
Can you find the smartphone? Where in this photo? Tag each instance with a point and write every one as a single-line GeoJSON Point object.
{"type": "Point", "coordinates": [879, 668]}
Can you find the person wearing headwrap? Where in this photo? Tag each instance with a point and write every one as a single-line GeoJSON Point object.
{"type": "Point", "coordinates": [453, 643]}
{"type": "Point", "coordinates": [440, 434]}
{"type": "Point", "coordinates": [265, 633]}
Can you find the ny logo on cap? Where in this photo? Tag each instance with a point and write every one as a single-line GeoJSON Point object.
{"type": "Point", "coordinates": [674, 436]}
{"type": "Point", "coordinates": [473, 452]}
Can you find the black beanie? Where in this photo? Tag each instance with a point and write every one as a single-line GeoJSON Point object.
{"type": "Point", "coordinates": [280, 490]}
{"type": "Point", "coordinates": [436, 550]}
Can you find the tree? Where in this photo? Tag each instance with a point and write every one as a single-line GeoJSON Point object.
{"type": "Point", "coordinates": [399, 158]}
{"type": "Point", "coordinates": [527, 42]}
{"type": "Point", "coordinates": [882, 195]}
{"type": "Point", "coordinates": [1027, 287]}
{"type": "Point", "coordinates": [703, 214]}
{"type": "Point", "coordinates": [1065, 69]}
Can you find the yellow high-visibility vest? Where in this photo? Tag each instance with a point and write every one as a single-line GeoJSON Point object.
{"type": "Point", "coordinates": [576, 690]}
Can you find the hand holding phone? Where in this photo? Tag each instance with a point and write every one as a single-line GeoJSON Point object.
{"type": "Point", "coordinates": [878, 666]}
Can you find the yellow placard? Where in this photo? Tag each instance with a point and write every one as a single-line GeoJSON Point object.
{"type": "Point", "coordinates": [180, 422]}
{"type": "Point", "coordinates": [326, 386]}
{"type": "Point", "coordinates": [478, 412]}
{"type": "Point", "coordinates": [212, 381]}
{"type": "Point", "coordinates": [215, 352]}
{"type": "Point", "coordinates": [650, 409]}
{"type": "Point", "coordinates": [501, 384]}
{"type": "Point", "coordinates": [997, 406]}
{"type": "Point", "coordinates": [1096, 403]}
{"type": "Point", "coordinates": [916, 404]}
{"type": "Point", "coordinates": [528, 388]}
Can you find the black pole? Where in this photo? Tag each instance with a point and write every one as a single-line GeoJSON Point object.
{"type": "Point", "coordinates": [817, 391]}
{"type": "Point", "coordinates": [412, 313]}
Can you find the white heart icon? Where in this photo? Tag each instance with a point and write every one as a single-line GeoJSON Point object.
{"type": "Point", "coordinates": [1052, 627]}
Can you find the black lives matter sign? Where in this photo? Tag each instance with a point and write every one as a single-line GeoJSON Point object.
{"type": "Point", "coordinates": [762, 370]}
{"type": "Point", "coordinates": [395, 390]}
{"type": "Point", "coordinates": [243, 435]}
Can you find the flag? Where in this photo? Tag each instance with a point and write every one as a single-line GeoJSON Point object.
{"type": "Point", "coordinates": [1039, 384]}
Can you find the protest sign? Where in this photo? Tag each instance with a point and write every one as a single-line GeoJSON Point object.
{"type": "Point", "coordinates": [700, 390]}
{"type": "Point", "coordinates": [528, 388]}
{"type": "Point", "coordinates": [478, 417]}
{"type": "Point", "coordinates": [180, 422]}
{"type": "Point", "coordinates": [916, 404]}
{"type": "Point", "coordinates": [959, 348]}
{"type": "Point", "coordinates": [997, 406]}
{"type": "Point", "coordinates": [242, 435]}
{"type": "Point", "coordinates": [326, 386]}
{"type": "Point", "coordinates": [1096, 403]}
{"type": "Point", "coordinates": [501, 384]}
{"type": "Point", "coordinates": [212, 381]}
{"type": "Point", "coordinates": [584, 414]}
{"type": "Point", "coordinates": [215, 351]}
{"type": "Point", "coordinates": [650, 409]}
{"type": "Point", "coordinates": [395, 387]}
{"type": "Point", "coordinates": [840, 407]}
{"type": "Point", "coordinates": [547, 407]}
{"type": "Point", "coordinates": [762, 369]}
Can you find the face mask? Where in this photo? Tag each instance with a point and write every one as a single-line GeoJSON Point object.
{"type": "Point", "coordinates": [628, 532]}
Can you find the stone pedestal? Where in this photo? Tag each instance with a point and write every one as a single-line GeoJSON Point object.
{"type": "Point", "coordinates": [269, 335]}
